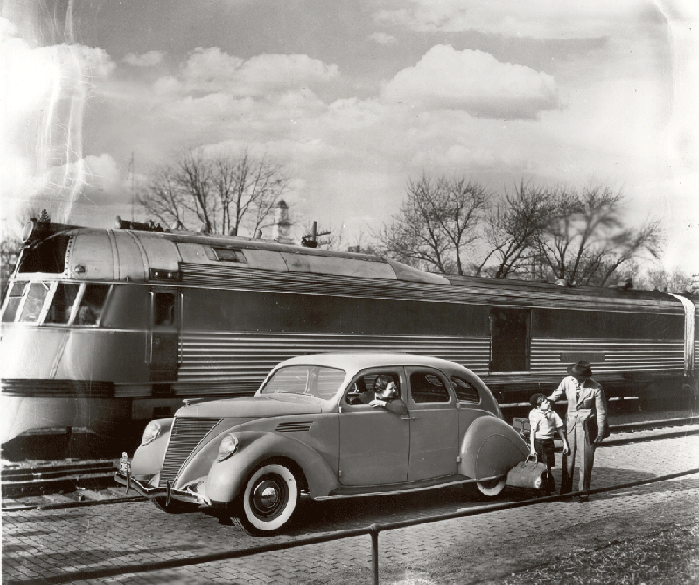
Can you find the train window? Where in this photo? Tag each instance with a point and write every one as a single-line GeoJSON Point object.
{"type": "Point", "coordinates": [91, 304]}
{"type": "Point", "coordinates": [228, 255]}
{"type": "Point", "coordinates": [464, 391]}
{"type": "Point", "coordinates": [428, 387]}
{"type": "Point", "coordinates": [14, 298]}
{"type": "Point", "coordinates": [62, 303]}
{"type": "Point", "coordinates": [34, 302]}
{"type": "Point", "coordinates": [164, 310]}
{"type": "Point", "coordinates": [47, 256]}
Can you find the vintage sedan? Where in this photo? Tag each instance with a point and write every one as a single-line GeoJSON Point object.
{"type": "Point", "coordinates": [327, 426]}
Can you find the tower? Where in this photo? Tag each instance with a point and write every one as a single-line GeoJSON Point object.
{"type": "Point", "coordinates": [282, 225]}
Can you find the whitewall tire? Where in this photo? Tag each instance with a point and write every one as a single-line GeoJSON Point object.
{"type": "Point", "coordinates": [269, 499]}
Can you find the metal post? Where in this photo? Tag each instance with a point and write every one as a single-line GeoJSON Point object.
{"type": "Point", "coordinates": [374, 553]}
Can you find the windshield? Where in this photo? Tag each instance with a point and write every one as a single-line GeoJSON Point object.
{"type": "Point", "coordinates": [319, 381]}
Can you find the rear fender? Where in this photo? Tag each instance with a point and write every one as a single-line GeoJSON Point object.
{"type": "Point", "coordinates": [148, 459]}
{"type": "Point", "coordinates": [490, 448]}
{"type": "Point", "coordinates": [225, 479]}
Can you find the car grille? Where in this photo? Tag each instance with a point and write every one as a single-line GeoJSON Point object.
{"type": "Point", "coordinates": [185, 435]}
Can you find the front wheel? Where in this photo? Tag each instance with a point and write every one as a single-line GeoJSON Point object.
{"type": "Point", "coordinates": [269, 500]}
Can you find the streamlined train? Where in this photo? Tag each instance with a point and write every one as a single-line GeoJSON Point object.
{"type": "Point", "coordinates": [105, 328]}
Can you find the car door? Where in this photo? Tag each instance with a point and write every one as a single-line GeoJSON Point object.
{"type": "Point", "coordinates": [374, 442]}
{"type": "Point", "coordinates": [434, 425]}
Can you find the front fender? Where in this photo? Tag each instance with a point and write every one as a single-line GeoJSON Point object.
{"type": "Point", "coordinates": [490, 448]}
{"type": "Point", "coordinates": [225, 479]}
{"type": "Point", "coordinates": [148, 459]}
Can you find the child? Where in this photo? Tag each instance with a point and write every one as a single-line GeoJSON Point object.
{"type": "Point", "coordinates": [544, 423]}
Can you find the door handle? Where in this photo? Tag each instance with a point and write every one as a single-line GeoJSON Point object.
{"type": "Point", "coordinates": [407, 417]}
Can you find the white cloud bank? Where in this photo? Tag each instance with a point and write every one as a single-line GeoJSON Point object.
{"type": "Point", "coordinates": [473, 81]}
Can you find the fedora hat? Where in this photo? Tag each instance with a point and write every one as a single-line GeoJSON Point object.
{"type": "Point", "coordinates": [582, 368]}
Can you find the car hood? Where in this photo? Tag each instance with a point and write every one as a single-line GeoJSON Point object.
{"type": "Point", "coordinates": [253, 407]}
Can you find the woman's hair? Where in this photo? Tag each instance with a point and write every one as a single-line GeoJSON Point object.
{"type": "Point", "coordinates": [382, 382]}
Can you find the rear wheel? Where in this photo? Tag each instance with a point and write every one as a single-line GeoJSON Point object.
{"type": "Point", "coordinates": [491, 487]}
{"type": "Point", "coordinates": [269, 500]}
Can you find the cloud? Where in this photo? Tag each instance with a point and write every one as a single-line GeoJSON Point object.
{"type": "Point", "coordinates": [149, 59]}
{"type": "Point", "coordinates": [214, 70]}
{"type": "Point", "coordinates": [530, 18]}
{"type": "Point", "coordinates": [382, 38]}
{"type": "Point", "coordinates": [473, 81]}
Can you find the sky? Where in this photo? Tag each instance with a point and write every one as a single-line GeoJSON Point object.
{"type": "Point", "coordinates": [354, 99]}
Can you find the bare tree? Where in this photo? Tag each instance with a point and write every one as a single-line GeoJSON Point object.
{"type": "Point", "coordinates": [222, 194]}
{"type": "Point", "coordinates": [436, 224]}
{"type": "Point", "coordinates": [660, 279]}
{"type": "Point", "coordinates": [587, 242]}
{"type": "Point", "coordinates": [512, 228]}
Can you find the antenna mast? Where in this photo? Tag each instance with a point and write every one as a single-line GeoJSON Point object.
{"type": "Point", "coordinates": [132, 170]}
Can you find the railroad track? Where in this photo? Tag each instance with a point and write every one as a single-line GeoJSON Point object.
{"type": "Point", "coordinates": [67, 483]}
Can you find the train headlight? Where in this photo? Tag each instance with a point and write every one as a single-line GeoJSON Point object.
{"type": "Point", "coordinates": [151, 432]}
{"type": "Point", "coordinates": [228, 446]}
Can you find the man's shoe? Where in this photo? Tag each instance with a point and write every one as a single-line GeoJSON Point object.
{"type": "Point", "coordinates": [583, 498]}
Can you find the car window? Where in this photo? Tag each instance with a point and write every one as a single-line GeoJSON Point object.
{"type": "Point", "coordinates": [363, 389]}
{"type": "Point", "coordinates": [319, 381]}
{"type": "Point", "coordinates": [428, 387]}
{"type": "Point", "coordinates": [328, 381]}
{"type": "Point", "coordinates": [465, 392]}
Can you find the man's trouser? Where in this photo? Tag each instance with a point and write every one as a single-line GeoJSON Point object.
{"type": "Point", "coordinates": [580, 446]}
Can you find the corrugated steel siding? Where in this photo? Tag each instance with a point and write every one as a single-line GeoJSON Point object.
{"type": "Point", "coordinates": [241, 278]}
{"type": "Point", "coordinates": [213, 359]}
{"type": "Point", "coordinates": [621, 355]}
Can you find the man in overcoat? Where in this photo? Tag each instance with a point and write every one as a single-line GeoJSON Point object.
{"type": "Point", "coordinates": [586, 423]}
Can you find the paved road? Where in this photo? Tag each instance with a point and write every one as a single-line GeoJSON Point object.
{"type": "Point", "coordinates": [44, 546]}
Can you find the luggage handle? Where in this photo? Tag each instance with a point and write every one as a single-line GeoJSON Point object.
{"type": "Point", "coordinates": [532, 457]}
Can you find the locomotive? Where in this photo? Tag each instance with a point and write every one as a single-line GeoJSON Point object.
{"type": "Point", "coordinates": [106, 329]}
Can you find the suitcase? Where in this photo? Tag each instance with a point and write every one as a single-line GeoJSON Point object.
{"type": "Point", "coordinates": [527, 474]}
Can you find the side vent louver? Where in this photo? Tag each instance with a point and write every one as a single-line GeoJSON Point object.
{"type": "Point", "coordinates": [294, 427]}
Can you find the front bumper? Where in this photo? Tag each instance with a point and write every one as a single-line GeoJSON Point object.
{"type": "Point", "coordinates": [151, 493]}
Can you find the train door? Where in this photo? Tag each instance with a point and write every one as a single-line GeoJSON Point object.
{"type": "Point", "coordinates": [162, 352]}
{"type": "Point", "coordinates": [510, 331]}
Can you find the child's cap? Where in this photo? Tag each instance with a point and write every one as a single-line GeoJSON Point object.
{"type": "Point", "coordinates": [537, 399]}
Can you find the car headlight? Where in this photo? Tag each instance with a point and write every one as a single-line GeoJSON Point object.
{"type": "Point", "coordinates": [151, 432]}
{"type": "Point", "coordinates": [228, 446]}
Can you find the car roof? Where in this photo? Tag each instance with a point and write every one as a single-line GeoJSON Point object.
{"type": "Point", "coordinates": [355, 361]}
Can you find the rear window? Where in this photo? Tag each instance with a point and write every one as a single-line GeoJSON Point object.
{"type": "Point", "coordinates": [465, 392]}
